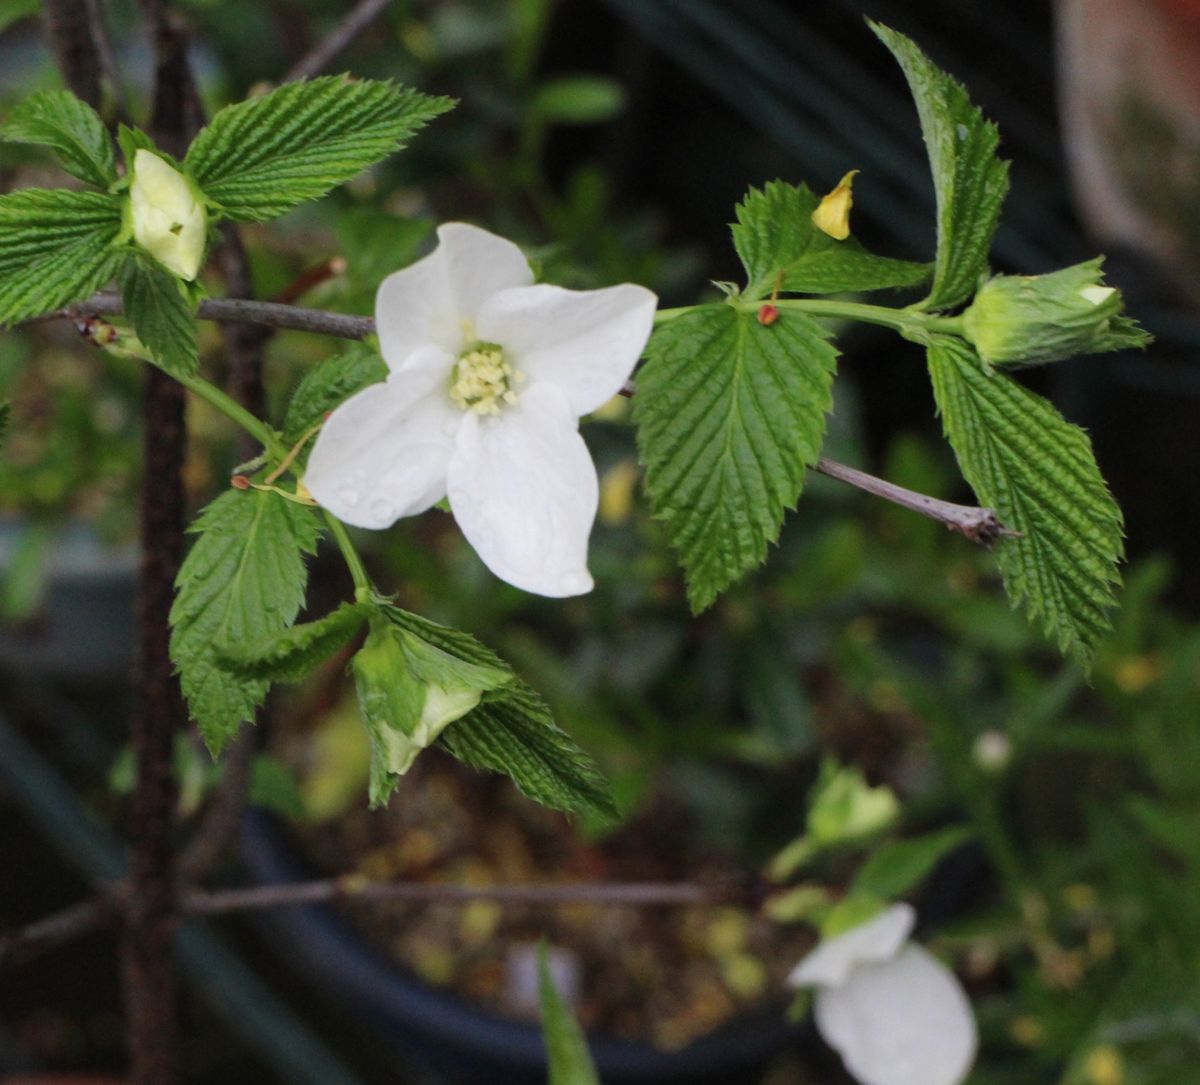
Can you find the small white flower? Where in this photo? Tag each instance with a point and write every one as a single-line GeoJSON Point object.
{"type": "Point", "coordinates": [489, 376]}
{"type": "Point", "coordinates": [892, 1010]}
{"type": "Point", "coordinates": [168, 220]}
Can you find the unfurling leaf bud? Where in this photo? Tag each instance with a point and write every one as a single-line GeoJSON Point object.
{"type": "Point", "coordinates": [1029, 319]}
{"type": "Point", "coordinates": [167, 215]}
{"type": "Point", "coordinates": [410, 692]}
{"type": "Point", "coordinates": [847, 809]}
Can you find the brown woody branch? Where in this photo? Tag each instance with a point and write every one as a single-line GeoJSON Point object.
{"type": "Point", "coordinates": [98, 912]}
{"type": "Point", "coordinates": [981, 525]}
{"type": "Point", "coordinates": [356, 21]}
{"type": "Point", "coordinates": [352, 888]}
{"type": "Point", "coordinates": [57, 929]}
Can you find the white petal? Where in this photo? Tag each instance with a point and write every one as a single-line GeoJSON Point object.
{"type": "Point", "coordinates": [878, 939]}
{"type": "Point", "coordinates": [383, 453]}
{"type": "Point", "coordinates": [428, 302]}
{"type": "Point", "coordinates": [903, 1022]}
{"type": "Point", "coordinates": [584, 341]}
{"type": "Point", "coordinates": [524, 491]}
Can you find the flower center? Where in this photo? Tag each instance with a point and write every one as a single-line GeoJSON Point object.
{"type": "Point", "coordinates": [483, 379]}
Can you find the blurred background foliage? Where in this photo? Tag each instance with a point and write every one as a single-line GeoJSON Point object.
{"type": "Point", "coordinates": [612, 140]}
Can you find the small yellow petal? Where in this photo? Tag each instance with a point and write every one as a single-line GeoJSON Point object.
{"type": "Point", "coordinates": [832, 215]}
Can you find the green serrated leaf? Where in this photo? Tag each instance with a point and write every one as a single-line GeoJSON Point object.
{"type": "Point", "coordinates": [969, 181]}
{"type": "Point", "coordinates": [900, 866]}
{"type": "Point", "coordinates": [567, 1055]}
{"type": "Point", "coordinates": [242, 582]}
{"type": "Point", "coordinates": [292, 655]}
{"type": "Point", "coordinates": [58, 248]}
{"type": "Point", "coordinates": [778, 245]}
{"type": "Point", "coordinates": [73, 129]}
{"type": "Point", "coordinates": [328, 385]}
{"type": "Point", "coordinates": [513, 732]}
{"type": "Point", "coordinates": [1037, 471]}
{"type": "Point", "coordinates": [729, 414]}
{"type": "Point", "coordinates": [160, 315]}
{"type": "Point", "coordinates": [262, 157]}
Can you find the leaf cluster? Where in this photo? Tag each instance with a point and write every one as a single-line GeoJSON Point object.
{"type": "Point", "coordinates": [254, 161]}
{"type": "Point", "coordinates": [733, 398]}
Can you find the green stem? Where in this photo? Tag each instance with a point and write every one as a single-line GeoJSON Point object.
{"type": "Point", "coordinates": [363, 588]}
{"type": "Point", "coordinates": [233, 410]}
{"type": "Point", "coordinates": [269, 439]}
{"type": "Point", "coordinates": [902, 320]}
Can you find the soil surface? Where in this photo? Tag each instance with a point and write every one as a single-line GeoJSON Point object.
{"type": "Point", "coordinates": [663, 975]}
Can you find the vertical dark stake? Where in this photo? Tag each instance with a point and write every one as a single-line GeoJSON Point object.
{"type": "Point", "coordinates": [69, 29]}
{"type": "Point", "coordinates": [150, 919]}
{"type": "Point", "coordinates": [153, 911]}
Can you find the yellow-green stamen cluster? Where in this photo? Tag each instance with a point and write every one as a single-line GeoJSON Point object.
{"type": "Point", "coordinates": [483, 380]}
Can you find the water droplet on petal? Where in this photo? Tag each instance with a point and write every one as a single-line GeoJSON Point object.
{"type": "Point", "coordinates": [383, 510]}
{"type": "Point", "coordinates": [348, 497]}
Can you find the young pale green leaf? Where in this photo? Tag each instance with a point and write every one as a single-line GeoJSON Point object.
{"type": "Point", "coordinates": [729, 413]}
{"type": "Point", "coordinates": [242, 582]}
{"type": "Point", "coordinates": [293, 654]}
{"type": "Point", "coordinates": [160, 315]}
{"type": "Point", "coordinates": [513, 732]}
{"type": "Point", "coordinates": [73, 129]}
{"type": "Point", "coordinates": [262, 157]}
{"type": "Point", "coordinates": [567, 1055]}
{"type": "Point", "coordinates": [454, 642]}
{"type": "Point", "coordinates": [132, 140]}
{"type": "Point", "coordinates": [779, 246]}
{"type": "Point", "coordinates": [969, 181]}
{"type": "Point", "coordinates": [900, 866]}
{"type": "Point", "coordinates": [58, 248]}
{"type": "Point", "coordinates": [1037, 471]}
{"type": "Point", "coordinates": [415, 678]}
{"type": "Point", "coordinates": [328, 385]}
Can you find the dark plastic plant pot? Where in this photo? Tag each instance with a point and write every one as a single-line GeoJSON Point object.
{"type": "Point", "coordinates": [83, 626]}
{"type": "Point", "coordinates": [445, 1035]}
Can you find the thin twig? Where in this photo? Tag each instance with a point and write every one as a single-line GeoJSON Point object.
{"type": "Point", "coordinates": [200, 902]}
{"type": "Point", "coordinates": [980, 525]}
{"type": "Point", "coordinates": [360, 17]}
{"type": "Point", "coordinates": [235, 311]}
{"type": "Point", "coordinates": [54, 930]}
{"type": "Point", "coordinates": [220, 820]}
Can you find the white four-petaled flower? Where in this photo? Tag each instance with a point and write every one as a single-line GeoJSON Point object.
{"type": "Point", "coordinates": [892, 1010]}
{"type": "Point", "coordinates": [489, 376]}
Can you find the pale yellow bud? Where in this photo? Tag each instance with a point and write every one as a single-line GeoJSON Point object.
{"type": "Point", "coordinates": [167, 218]}
{"type": "Point", "coordinates": [832, 215]}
